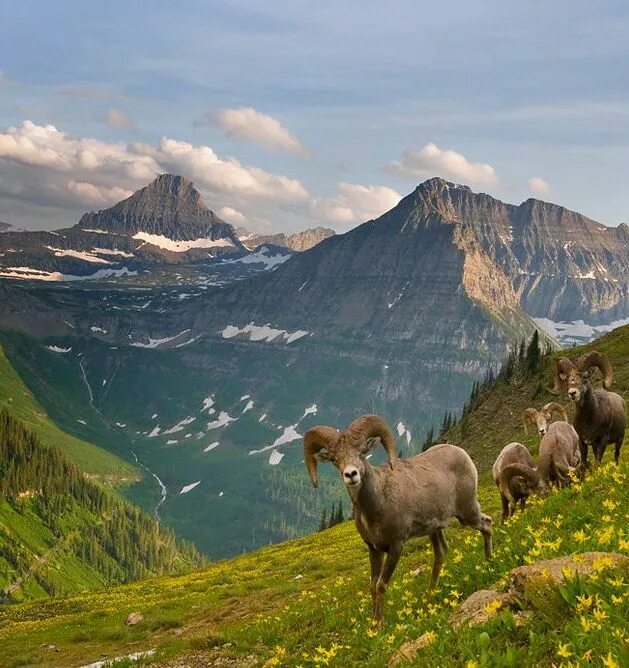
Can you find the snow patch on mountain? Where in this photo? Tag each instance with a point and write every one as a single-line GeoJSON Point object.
{"type": "Point", "coordinates": [30, 274]}
{"type": "Point", "coordinates": [223, 419]}
{"type": "Point", "coordinates": [58, 349]}
{"type": "Point", "coordinates": [78, 255]}
{"type": "Point", "coordinates": [188, 488]}
{"type": "Point", "coordinates": [211, 446]}
{"type": "Point", "coordinates": [289, 435]}
{"type": "Point", "coordinates": [576, 331]}
{"type": "Point", "coordinates": [161, 241]}
{"type": "Point", "coordinates": [311, 410]}
{"type": "Point", "coordinates": [155, 343]}
{"type": "Point", "coordinates": [275, 457]}
{"type": "Point", "coordinates": [180, 426]}
{"type": "Point", "coordinates": [262, 333]}
{"type": "Point", "coordinates": [262, 255]}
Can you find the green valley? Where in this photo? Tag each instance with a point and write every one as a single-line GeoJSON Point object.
{"type": "Point", "coordinates": [306, 602]}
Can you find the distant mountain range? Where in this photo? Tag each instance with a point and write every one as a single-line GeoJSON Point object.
{"type": "Point", "coordinates": [300, 241]}
{"type": "Point", "coordinates": [165, 223]}
{"type": "Point", "coordinates": [217, 385]}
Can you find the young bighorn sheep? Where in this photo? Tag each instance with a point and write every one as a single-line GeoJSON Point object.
{"type": "Point", "coordinates": [600, 415]}
{"type": "Point", "coordinates": [516, 477]}
{"type": "Point", "coordinates": [543, 417]}
{"type": "Point", "coordinates": [559, 452]}
{"type": "Point", "coordinates": [404, 498]}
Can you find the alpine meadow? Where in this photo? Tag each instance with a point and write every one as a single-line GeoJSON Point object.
{"type": "Point", "coordinates": [314, 334]}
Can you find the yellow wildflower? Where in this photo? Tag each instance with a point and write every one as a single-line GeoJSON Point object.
{"type": "Point", "coordinates": [563, 650]}
{"type": "Point", "coordinates": [610, 662]}
{"type": "Point", "coordinates": [609, 504]}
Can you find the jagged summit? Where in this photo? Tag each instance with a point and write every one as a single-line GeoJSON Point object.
{"type": "Point", "coordinates": [170, 206]}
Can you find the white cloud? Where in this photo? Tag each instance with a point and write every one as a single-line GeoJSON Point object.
{"type": "Point", "coordinates": [248, 124]}
{"type": "Point", "coordinates": [119, 120]}
{"type": "Point", "coordinates": [98, 195]}
{"type": "Point", "coordinates": [539, 186]}
{"type": "Point", "coordinates": [432, 161]}
{"type": "Point", "coordinates": [43, 156]}
{"type": "Point", "coordinates": [232, 215]}
{"type": "Point", "coordinates": [355, 203]}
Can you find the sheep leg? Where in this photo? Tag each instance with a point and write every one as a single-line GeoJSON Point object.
{"type": "Point", "coordinates": [583, 449]}
{"type": "Point", "coordinates": [439, 548]}
{"type": "Point", "coordinates": [599, 451]}
{"type": "Point", "coordinates": [376, 559]}
{"type": "Point", "coordinates": [482, 523]}
{"type": "Point", "coordinates": [505, 508]}
{"type": "Point", "coordinates": [617, 451]}
{"type": "Point", "coordinates": [393, 556]}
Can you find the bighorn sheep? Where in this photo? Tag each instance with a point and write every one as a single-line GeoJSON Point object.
{"type": "Point", "coordinates": [543, 417]}
{"type": "Point", "coordinates": [559, 451]}
{"type": "Point", "coordinates": [404, 498]}
{"type": "Point", "coordinates": [600, 415]}
{"type": "Point", "coordinates": [516, 477]}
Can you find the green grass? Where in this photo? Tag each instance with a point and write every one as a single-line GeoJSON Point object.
{"type": "Point", "coordinates": [19, 401]}
{"type": "Point", "coordinates": [254, 605]}
{"type": "Point", "coordinates": [306, 602]}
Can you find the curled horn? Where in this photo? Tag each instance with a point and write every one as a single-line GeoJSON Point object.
{"type": "Point", "coordinates": [599, 360]}
{"type": "Point", "coordinates": [529, 415]}
{"type": "Point", "coordinates": [554, 406]}
{"type": "Point", "coordinates": [564, 365]}
{"type": "Point", "coordinates": [527, 472]}
{"type": "Point", "coordinates": [315, 440]}
{"type": "Point", "coordinates": [372, 425]}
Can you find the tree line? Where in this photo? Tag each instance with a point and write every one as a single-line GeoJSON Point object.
{"type": "Point", "coordinates": [112, 536]}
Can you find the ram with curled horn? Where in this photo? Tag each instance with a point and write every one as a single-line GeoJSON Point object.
{"type": "Point", "coordinates": [516, 477]}
{"type": "Point", "coordinates": [543, 417]}
{"type": "Point", "coordinates": [401, 499]}
{"type": "Point", "coordinates": [600, 415]}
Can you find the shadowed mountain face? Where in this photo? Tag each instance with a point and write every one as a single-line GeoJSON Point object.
{"type": "Point", "coordinates": [164, 223]}
{"type": "Point", "coordinates": [397, 316]}
{"type": "Point", "coordinates": [170, 206]}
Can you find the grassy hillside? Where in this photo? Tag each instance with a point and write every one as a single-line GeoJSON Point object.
{"type": "Point", "coordinates": [306, 602]}
{"type": "Point", "coordinates": [16, 398]}
{"type": "Point", "coordinates": [62, 533]}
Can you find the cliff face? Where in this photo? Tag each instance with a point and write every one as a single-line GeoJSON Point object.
{"type": "Point", "coordinates": [169, 206]}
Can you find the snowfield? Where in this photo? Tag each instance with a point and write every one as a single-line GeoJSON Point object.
{"type": "Point", "coordinates": [188, 488]}
{"type": "Point", "coordinates": [161, 241]}
{"type": "Point", "coordinates": [58, 349]}
{"type": "Point", "coordinates": [262, 333]}
{"type": "Point", "coordinates": [30, 274]}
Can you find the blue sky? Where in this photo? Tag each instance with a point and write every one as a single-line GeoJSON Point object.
{"type": "Point", "coordinates": [289, 115]}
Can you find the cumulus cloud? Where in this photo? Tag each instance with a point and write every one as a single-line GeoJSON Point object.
{"type": "Point", "coordinates": [68, 158]}
{"type": "Point", "coordinates": [119, 120]}
{"type": "Point", "coordinates": [232, 216]}
{"type": "Point", "coordinates": [539, 186]}
{"type": "Point", "coordinates": [97, 195]}
{"type": "Point", "coordinates": [355, 203]}
{"type": "Point", "coordinates": [433, 161]}
{"type": "Point", "coordinates": [52, 176]}
{"type": "Point", "coordinates": [248, 124]}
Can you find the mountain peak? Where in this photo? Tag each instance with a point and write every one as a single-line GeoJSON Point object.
{"type": "Point", "coordinates": [438, 183]}
{"type": "Point", "coordinates": [170, 206]}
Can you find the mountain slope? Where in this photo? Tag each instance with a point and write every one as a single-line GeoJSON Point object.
{"type": "Point", "coordinates": [164, 223]}
{"type": "Point", "coordinates": [306, 602]}
{"type": "Point", "coordinates": [61, 533]}
{"type": "Point", "coordinates": [16, 398]}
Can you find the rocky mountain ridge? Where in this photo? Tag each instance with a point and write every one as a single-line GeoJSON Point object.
{"type": "Point", "coordinates": [299, 241]}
